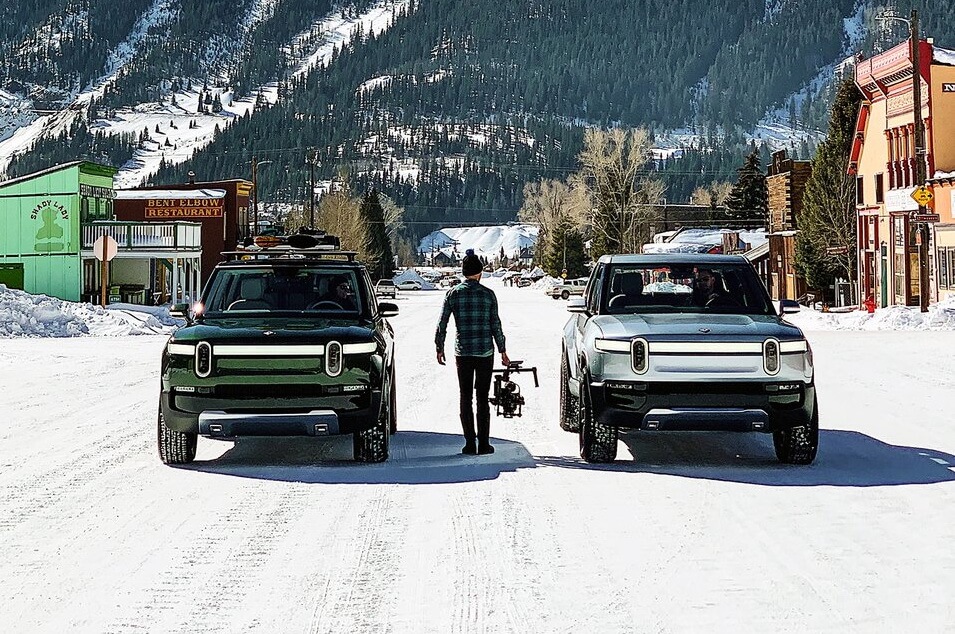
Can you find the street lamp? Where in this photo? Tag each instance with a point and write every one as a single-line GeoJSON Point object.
{"type": "Point", "coordinates": [255, 194]}
{"type": "Point", "coordinates": [920, 150]}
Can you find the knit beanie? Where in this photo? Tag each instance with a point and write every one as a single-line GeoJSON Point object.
{"type": "Point", "coordinates": [471, 265]}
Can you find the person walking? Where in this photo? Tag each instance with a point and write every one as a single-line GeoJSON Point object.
{"type": "Point", "coordinates": [478, 325]}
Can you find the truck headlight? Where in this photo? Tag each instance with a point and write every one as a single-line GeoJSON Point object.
{"type": "Point", "coordinates": [612, 345]}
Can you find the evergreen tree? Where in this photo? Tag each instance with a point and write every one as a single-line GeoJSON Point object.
{"type": "Point", "coordinates": [565, 249]}
{"type": "Point", "coordinates": [828, 219]}
{"type": "Point", "coordinates": [378, 246]}
{"type": "Point", "coordinates": [749, 200]}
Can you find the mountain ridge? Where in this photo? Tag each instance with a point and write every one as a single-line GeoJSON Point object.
{"type": "Point", "coordinates": [457, 102]}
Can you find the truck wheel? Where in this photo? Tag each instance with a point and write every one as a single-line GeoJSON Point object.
{"type": "Point", "coordinates": [568, 402]}
{"type": "Point", "coordinates": [175, 447]}
{"type": "Point", "coordinates": [371, 445]}
{"type": "Point", "coordinates": [598, 442]}
{"type": "Point", "coordinates": [564, 294]}
{"type": "Point", "coordinates": [798, 445]}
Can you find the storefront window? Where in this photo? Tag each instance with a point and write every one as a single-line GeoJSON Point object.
{"type": "Point", "coordinates": [946, 267]}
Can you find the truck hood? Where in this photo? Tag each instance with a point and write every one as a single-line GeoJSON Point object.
{"type": "Point", "coordinates": [291, 331]}
{"type": "Point", "coordinates": [681, 326]}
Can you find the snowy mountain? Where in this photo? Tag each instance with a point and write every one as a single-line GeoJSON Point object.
{"type": "Point", "coordinates": [449, 106]}
{"type": "Point", "coordinates": [171, 129]}
{"type": "Point", "coordinates": [486, 241]}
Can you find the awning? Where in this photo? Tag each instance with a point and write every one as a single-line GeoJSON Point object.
{"type": "Point", "coordinates": [757, 253]}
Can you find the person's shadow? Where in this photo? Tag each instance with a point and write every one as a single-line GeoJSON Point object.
{"type": "Point", "coordinates": [415, 458]}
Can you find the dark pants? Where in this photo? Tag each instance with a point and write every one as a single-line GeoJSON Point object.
{"type": "Point", "coordinates": [474, 376]}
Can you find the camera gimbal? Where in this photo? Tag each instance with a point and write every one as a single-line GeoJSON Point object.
{"type": "Point", "coordinates": [507, 397]}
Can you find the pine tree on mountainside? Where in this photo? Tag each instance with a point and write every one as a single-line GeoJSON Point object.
{"type": "Point", "coordinates": [828, 219]}
{"type": "Point", "coordinates": [748, 200]}
{"type": "Point", "coordinates": [378, 246]}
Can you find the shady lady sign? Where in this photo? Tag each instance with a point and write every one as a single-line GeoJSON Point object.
{"type": "Point", "coordinates": [52, 233]}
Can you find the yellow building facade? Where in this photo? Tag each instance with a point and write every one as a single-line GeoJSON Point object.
{"type": "Point", "coordinates": [883, 162]}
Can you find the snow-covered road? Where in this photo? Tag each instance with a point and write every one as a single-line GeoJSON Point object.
{"type": "Point", "coordinates": [684, 533]}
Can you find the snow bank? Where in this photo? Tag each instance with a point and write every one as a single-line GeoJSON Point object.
{"type": "Point", "coordinates": [940, 316]}
{"type": "Point", "coordinates": [26, 315]}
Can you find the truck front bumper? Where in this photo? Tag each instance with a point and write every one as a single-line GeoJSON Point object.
{"type": "Point", "coordinates": [218, 418]}
{"type": "Point", "coordinates": [712, 406]}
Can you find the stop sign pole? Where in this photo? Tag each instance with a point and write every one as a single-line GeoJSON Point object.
{"type": "Point", "coordinates": [102, 271]}
{"type": "Point", "coordinates": [104, 250]}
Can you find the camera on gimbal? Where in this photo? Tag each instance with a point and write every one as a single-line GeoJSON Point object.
{"type": "Point", "coordinates": [507, 397]}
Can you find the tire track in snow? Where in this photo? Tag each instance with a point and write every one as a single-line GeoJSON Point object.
{"type": "Point", "coordinates": [54, 485]}
{"type": "Point", "coordinates": [355, 593]}
{"type": "Point", "coordinates": [219, 567]}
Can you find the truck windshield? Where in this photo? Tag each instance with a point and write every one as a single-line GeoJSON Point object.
{"type": "Point", "coordinates": [283, 289]}
{"type": "Point", "coordinates": [662, 288]}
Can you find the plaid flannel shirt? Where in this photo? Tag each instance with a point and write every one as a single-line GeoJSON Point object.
{"type": "Point", "coordinates": [475, 317]}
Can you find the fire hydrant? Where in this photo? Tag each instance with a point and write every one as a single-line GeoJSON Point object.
{"type": "Point", "coordinates": [869, 304]}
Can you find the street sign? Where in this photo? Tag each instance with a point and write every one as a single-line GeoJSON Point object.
{"type": "Point", "coordinates": [837, 250]}
{"type": "Point", "coordinates": [925, 217]}
{"type": "Point", "coordinates": [922, 195]}
{"type": "Point", "coordinates": [105, 248]}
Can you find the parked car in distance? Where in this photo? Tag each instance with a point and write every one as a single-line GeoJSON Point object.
{"type": "Point", "coordinates": [385, 288]}
{"type": "Point", "coordinates": [684, 342]}
{"type": "Point", "coordinates": [568, 288]}
{"type": "Point", "coordinates": [449, 281]}
{"type": "Point", "coordinates": [409, 285]}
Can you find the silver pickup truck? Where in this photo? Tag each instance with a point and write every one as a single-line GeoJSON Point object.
{"type": "Point", "coordinates": [684, 342]}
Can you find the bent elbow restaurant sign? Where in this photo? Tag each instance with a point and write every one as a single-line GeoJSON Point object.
{"type": "Point", "coordinates": [184, 208]}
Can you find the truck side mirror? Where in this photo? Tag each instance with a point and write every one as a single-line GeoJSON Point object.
{"type": "Point", "coordinates": [788, 306]}
{"type": "Point", "coordinates": [576, 306]}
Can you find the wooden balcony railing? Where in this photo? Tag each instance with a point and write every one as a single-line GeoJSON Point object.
{"type": "Point", "coordinates": [146, 236]}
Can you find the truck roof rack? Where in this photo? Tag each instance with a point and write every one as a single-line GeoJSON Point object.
{"type": "Point", "coordinates": [308, 244]}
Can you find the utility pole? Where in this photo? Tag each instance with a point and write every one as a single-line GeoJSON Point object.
{"type": "Point", "coordinates": [255, 200]}
{"type": "Point", "coordinates": [920, 156]}
{"type": "Point", "coordinates": [311, 189]}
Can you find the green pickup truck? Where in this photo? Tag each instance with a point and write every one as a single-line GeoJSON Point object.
{"type": "Point", "coordinates": [283, 342]}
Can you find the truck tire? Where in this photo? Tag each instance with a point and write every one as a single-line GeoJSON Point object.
{"type": "Point", "coordinates": [564, 294]}
{"type": "Point", "coordinates": [371, 445]}
{"type": "Point", "coordinates": [568, 402]}
{"type": "Point", "coordinates": [798, 445]}
{"type": "Point", "coordinates": [598, 442]}
{"type": "Point", "coordinates": [175, 447]}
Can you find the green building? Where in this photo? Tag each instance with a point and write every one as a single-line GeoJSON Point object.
{"type": "Point", "coordinates": [50, 220]}
{"type": "Point", "coordinates": [41, 216]}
